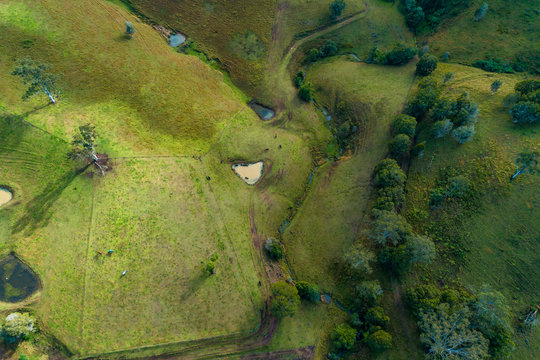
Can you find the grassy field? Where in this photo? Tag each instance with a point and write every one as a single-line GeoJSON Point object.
{"type": "Point", "coordinates": [509, 28]}
{"type": "Point", "coordinates": [501, 237]}
{"type": "Point", "coordinates": [382, 26]}
{"type": "Point", "coordinates": [161, 215]}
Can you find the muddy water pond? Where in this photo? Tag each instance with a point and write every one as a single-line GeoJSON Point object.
{"type": "Point", "coordinates": [250, 173]}
{"type": "Point", "coordinates": [5, 196]}
{"type": "Point", "coordinates": [176, 40]}
{"type": "Point", "coordinates": [17, 280]}
{"type": "Point", "coordinates": [264, 112]}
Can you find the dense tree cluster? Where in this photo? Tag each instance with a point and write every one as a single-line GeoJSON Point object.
{"type": "Point", "coordinates": [527, 108]}
{"type": "Point", "coordinates": [426, 65]}
{"type": "Point", "coordinates": [428, 14]}
{"type": "Point", "coordinates": [400, 54]}
{"type": "Point", "coordinates": [285, 299]}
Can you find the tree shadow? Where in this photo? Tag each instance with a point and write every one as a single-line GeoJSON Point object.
{"type": "Point", "coordinates": [193, 286]}
{"type": "Point", "coordinates": [37, 211]}
{"type": "Point", "coordinates": [123, 38]}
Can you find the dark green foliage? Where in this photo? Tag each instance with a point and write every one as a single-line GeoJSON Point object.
{"type": "Point", "coordinates": [399, 146]}
{"type": "Point", "coordinates": [527, 86]}
{"type": "Point", "coordinates": [354, 321]}
{"type": "Point", "coordinates": [495, 86]}
{"type": "Point", "coordinates": [328, 49]}
{"type": "Point", "coordinates": [306, 92]}
{"type": "Point", "coordinates": [336, 8]}
{"type": "Point", "coordinates": [481, 12]}
{"type": "Point", "coordinates": [343, 337]}
{"type": "Point", "coordinates": [84, 147]}
{"type": "Point", "coordinates": [380, 340]}
{"type": "Point", "coordinates": [436, 197]}
{"type": "Point", "coordinates": [441, 128]}
{"type": "Point", "coordinates": [388, 198]}
{"type": "Point", "coordinates": [357, 261]}
{"type": "Point", "coordinates": [389, 228]}
{"type": "Point", "coordinates": [445, 56]}
{"type": "Point", "coordinates": [526, 163]}
{"type": "Point", "coordinates": [414, 17]}
{"type": "Point", "coordinates": [299, 79]}
{"type": "Point", "coordinates": [420, 250]}
{"type": "Point", "coordinates": [426, 65]}
{"type": "Point", "coordinates": [273, 249]}
{"type": "Point", "coordinates": [423, 298]}
{"type": "Point", "coordinates": [130, 29]}
{"type": "Point", "coordinates": [375, 316]}
{"type": "Point", "coordinates": [427, 14]}
{"type": "Point", "coordinates": [463, 133]}
{"type": "Point", "coordinates": [442, 109]}
{"type": "Point", "coordinates": [376, 56]}
{"type": "Point", "coordinates": [389, 174]}
{"type": "Point", "coordinates": [491, 316]}
{"type": "Point", "coordinates": [449, 76]}
{"type": "Point", "coordinates": [38, 77]}
{"type": "Point", "coordinates": [447, 331]}
{"type": "Point", "coordinates": [525, 113]}
{"type": "Point", "coordinates": [210, 267]}
{"type": "Point", "coordinates": [494, 65]}
{"type": "Point", "coordinates": [368, 294]}
{"type": "Point", "coordinates": [424, 99]}
{"type": "Point", "coordinates": [404, 124]}
{"type": "Point", "coordinates": [458, 187]}
{"type": "Point", "coordinates": [418, 149]}
{"type": "Point", "coordinates": [314, 55]}
{"type": "Point", "coordinates": [285, 299]}
{"type": "Point", "coordinates": [400, 55]}
{"type": "Point", "coordinates": [308, 291]}
{"type": "Point", "coordinates": [464, 111]}
{"type": "Point", "coordinates": [248, 46]}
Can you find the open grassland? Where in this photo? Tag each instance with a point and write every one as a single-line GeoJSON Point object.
{"type": "Point", "coordinates": [383, 25]}
{"type": "Point", "coordinates": [509, 28]}
{"type": "Point", "coordinates": [162, 216]}
{"type": "Point", "coordinates": [330, 217]}
{"type": "Point", "coordinates": [139, 93]}
{"type": "Point", "coordinates": [502, 237]}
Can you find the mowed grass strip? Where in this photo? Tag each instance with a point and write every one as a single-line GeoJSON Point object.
{"type": "Point", "coordinates": [141, 95]}
{"type": "Point", "coordinates": [158, 219]}
{"type": "Point", "coordinates": [329, 219]}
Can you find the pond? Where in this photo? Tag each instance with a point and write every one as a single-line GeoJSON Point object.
{"type": "Point", "coordinates": [176, 40]}
{"type": "Point", "coordinates": [5, 196]}
{"type": "Point", "coordinates": [17, 280]}
{"type": "Point", "coordinates": [250, 173]}
{"type": "Point", "coordinates": [264, 112]}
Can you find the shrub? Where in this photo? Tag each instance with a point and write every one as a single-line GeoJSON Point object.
{"type": "Point", "coordinates": [299, 79]}
{"type": "Point", "coordinates": [308, 291]}
{"type": "Point", "coordinates": [273, 249]}
{"type": "Point", "coordinates": [436, 197]}
{"type": "Point", "coordinates": [368, 294]}
{"type": "Point", "coordinates": [494, 65]}
{"type": "Point", "coordinates": [463, 133]}
{"type": "Point", "coordinates": [389, 197]}
{"type": "Point", "coordinates": [418, 149]}
{"type": "Point", "coordinates": [424, 99]}
{"type": "Point", "coordinates": [357, 260]}
{"type": "Point", "coordinates": [380, 340]}
{"type": "Point", "coordinates": [525, 113]}
{"type": "Point", "coordinates": [445, 56]}
{"type": "Point", "coordinates": [426, 65]}
{"type": "Point", "coordinates": [440, 129]}
{"type": "Point", "coordinates": [399, 146]}
{"type": "Point", "coordinates": [423, 297]}
{"type": "Point", "coordinates": [336, 8]}
{"type": "Point", "coordinates": [481, 12]}
{"type": "Point", "coordinates": [389, 174]}
{"type": "Point", "coordinates": [306, 92]}
{"type": "Point", "coordinates": [343, 336]}
{"type": "Point", "coordinates": [314, 55]}
{"type": "Point", "coordinates": [404, 124]}
{"type": "Point", "coordinates": [375, 316]}
{"type": "Point", "coordinates": [210, 267]}
{"type": "Point", "coordinates": [285, 299]}
{"type": "Point", "coordinates": [18, 326]}
{"type": "Point", "coordinates": [130, 29]}
{"type": "Point", "coordinates": [400, 55]}
{"type": "Point", "coordinates": [328, 49]}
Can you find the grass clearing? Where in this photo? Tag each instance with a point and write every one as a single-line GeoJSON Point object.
{"type": "Point", "coordinates": [502, 251]}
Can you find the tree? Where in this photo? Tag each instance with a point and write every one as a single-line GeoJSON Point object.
{"type": "Point", "coordinates": [357, 260]}
{"type": "Point", "coordinates": [389, 228]}
{"type": "Point", "coordinates": [368, 294]}
{"type": "Point", "coordinates": [445, 56]}
{"type": "Point", "coordinates": [17, 327]}
{"type": "Point", "coordinates": [424, 99]}
{"type": "Point", "coordinates": [449, 76]}
{"type": "Point", "coordinates": [84, 146]}
{"type": "Point", "coordinates": [426, 65]}
{"type": "Point", "coordinates": [130, 29]}
{"type": "Point", "coordinates": [420, 250]}
{"type": "Point", "coordinates": [399, 146]}
{"type": "Point", "coordinates": [414, 17]}
{"type": "Point", "coordinates": [308, 291]}
{"type": "Point", "coordinates": [526, 112]}
{"type": "Point", "coordinates": [526, 163]}
{"type": "Point", "coordinates": [306, 92]}
{"type": "Point", "coordinates": [389, 174]}
{"type": "Point", "coordinates": [418, 149]}
{"type": "Point", "coordinates": [336, 8]}
{"type": "Point", "coordinates": [495, 86]}
{"type": "Point", "coordinates": [313, 55]}
{"type": "Point", "coordinates": [328, 49]}
{"type": "Point", "coordinates": [380, 340]}
{"type": "Point", "coordinates": [491, 316]}
{"type": "Point", "coordinates": [343, 336]}
{"type": "Point", "coordinates": [285, 299]}
{"type": "Point", "coordinates": [389, 197]}
{"type": "Point", "coordinates": [463, 133]}
{"type": "Point", "coordinates": [273, 249]}
{"type": "Point", "coordinates": [404, 124]}
{"type": "Point", "coordinates": [38, 78]}
{"type": "Point", "coordinates": [441, 128]}
{"type": "Point", "coordinates": [481, 12]}
{"type": "Point", "coordinates": [447, 335]}
{"type": "Point", "coordinates": [210, 267]}
{"type": "Point", "coordinates": [400, 55]}
{"type": "Point", "coordinates": [376, 316]}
